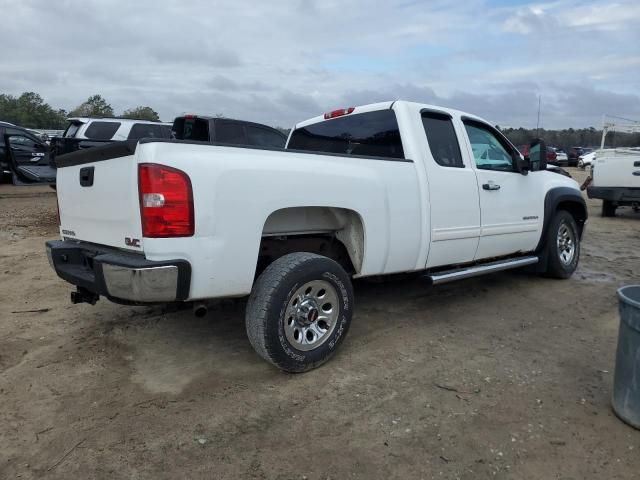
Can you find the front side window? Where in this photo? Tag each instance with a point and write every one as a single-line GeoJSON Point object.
{"type": "Point", "coordinates": [442, 139]}
{"type": "Point", "coordinates": [374, 134]}
{"type": "Point", "coordinates": [102, 130]}
{"type": "Point", "coordinates": [489, 152]}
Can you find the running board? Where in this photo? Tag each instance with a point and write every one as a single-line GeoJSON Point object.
{"type": "Point", "coordinates": [476, 270]}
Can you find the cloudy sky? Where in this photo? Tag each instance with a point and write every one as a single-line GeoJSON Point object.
{"type": "Point", "coordinates": [281, 61]}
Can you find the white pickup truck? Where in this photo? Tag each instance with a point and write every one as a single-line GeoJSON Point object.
{"type": "Point", "coordinates": [366, 191]}
{"type": "Point", "coordinates": [615, 178]}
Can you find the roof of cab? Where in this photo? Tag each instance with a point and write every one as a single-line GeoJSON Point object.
{"type": "Point", "coordinates": [393, 105]}
{"type": "Point", "coordinates": [114, 119]}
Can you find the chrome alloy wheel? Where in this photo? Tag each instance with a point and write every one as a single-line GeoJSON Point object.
{"type": "Point", "coordinates": [312, 315]}
{"type": "Point", "coordinates": [566, 243]}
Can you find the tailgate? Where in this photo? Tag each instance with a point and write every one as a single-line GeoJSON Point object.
{"type": "Point", "coordinates": [617, 168]}
{"type": "Point", "coordinates": [98, 196]}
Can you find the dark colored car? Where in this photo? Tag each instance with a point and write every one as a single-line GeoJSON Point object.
{"type": "Point", "coordinates": [21, 150]}
{"type": "Point", "coordinates": [226, 130]}
{"type": "Point", "coordinates": [575, 153]}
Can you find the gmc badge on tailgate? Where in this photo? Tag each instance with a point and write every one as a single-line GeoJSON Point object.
{"type": "Point", "coordinates": [132, 242]}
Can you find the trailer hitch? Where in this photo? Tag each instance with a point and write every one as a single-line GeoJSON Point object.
{"type": "Point", "coordinates": [82, 295]}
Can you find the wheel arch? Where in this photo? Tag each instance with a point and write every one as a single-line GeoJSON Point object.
{"type": "Point", "coordinates": [335, 232]}
{"type": "Point", "coordinates": [563, 198]}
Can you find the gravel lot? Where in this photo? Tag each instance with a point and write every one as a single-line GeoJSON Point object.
{"type": "Point", "coordinates": [507, 376]}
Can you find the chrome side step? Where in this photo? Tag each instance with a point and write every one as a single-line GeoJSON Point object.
{"type": "Point", "coordinates": [476, 270]}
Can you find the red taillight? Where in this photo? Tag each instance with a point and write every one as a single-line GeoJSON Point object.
{"type": "Point", "coordinates": [338, 113]}
{"type": "Point", "coordinates": [166, 201]}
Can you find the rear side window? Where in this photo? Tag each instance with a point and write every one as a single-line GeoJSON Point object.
{"type": "Point", "coordinates": [230, 132]}
{"type": "Point", "coordinates": [264, 137]}
{"type": "Point", "coordinates": [102, 130]}
{"type": "Point", "coordinates": [442, 139]}
{"type": "Point", "coordinates": [373, 134]}
{"type": "Point", "coordinates": [148, 130]}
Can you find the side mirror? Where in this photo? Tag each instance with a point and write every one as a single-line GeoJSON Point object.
{"type": "Point", "coordinates": [537, 155]}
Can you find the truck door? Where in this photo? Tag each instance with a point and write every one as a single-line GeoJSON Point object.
{"type": "Point", "coordinates": [511, 204]}
{"type": "Point", "coordinates": [453, 193]}
{"type": "Point", "coordinates": [28, 159]}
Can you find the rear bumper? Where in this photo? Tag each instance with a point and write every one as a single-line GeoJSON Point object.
{"type": "Point", "coordinates": [121, 277]}
{"type": "Point", "coordinates": [620, 195]}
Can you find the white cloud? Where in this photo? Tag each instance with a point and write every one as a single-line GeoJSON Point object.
{"type": "Point", "coordinates": [282, 61]}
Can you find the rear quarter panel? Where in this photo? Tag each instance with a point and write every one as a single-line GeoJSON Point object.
{"type": "Point", "coordinates": [236, 189]}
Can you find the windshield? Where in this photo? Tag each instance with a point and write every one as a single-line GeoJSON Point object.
{"type": "Point", "coordinates": [72, 129]}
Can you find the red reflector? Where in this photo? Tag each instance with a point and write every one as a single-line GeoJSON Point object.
{"type": "Point", "coordinates": [338, 113]}
{"type": "Point", "coordinates": [166, 201]}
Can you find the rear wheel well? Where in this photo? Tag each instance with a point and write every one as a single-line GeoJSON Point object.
{"type": "Point", "coordinates": [327, 245]}
{"type": "Point", "coordinates": [337, 233]}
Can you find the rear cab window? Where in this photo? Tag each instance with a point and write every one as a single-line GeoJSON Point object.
{"type": "Point", "coordinates": [101, 130]}
{"type": "Point", "coordinates": [374, 134]}
{"type": "Point", "coordinates": [191, 128]}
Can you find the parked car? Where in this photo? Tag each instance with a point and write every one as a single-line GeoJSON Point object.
{"type": "Point", "coordinates": [551, 154]}
{"type": "Point", "coordinates": [615, 178]}
{"type": "Point", "coordinates": [586, 160]}
{"type": "Point", "coordinates": [373, 190]}
{"type": "Point", "coordinates": [575, 153]}
{"type": "Point", "coordinates": [226, 130]}
{"type": "Point", "coordinates": [561, 157]}
{"type": "Point", "coordinates": [83, 132]}
{"type": "Point", "coordinates": [21, 149]}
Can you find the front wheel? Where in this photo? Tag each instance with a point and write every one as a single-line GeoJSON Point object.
{"type": "Point", "coordinates": [299, 311]}
{"type": "Point", "coordinates": [563, 245]}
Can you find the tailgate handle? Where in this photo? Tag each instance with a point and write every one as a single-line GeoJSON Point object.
{"type": "Point", "coordinates": [86, 176]}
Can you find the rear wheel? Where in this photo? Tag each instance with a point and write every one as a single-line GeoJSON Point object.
{"type": "Point", "coordinates": [563, 245]}
{"type": "Point", "coordinates": [299, 311]}
{"type": "Point", "coordinates": [608, 208]}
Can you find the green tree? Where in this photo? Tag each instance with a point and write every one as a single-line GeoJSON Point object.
{"type": "Point", "coordinates": [95, 106]}
{"type": "Point", "coordinates": [30, 110]}
{"type": "Point", "coordinates": [141, 113]}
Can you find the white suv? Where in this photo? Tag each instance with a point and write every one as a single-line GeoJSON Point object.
{"type": "Point", "coordinates": [113, 129]}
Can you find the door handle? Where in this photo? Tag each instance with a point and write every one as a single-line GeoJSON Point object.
{"type": "Point", "coordinates": [490, 186]}
{"type": "Point", "coordinates": [636, 164]}
{"type": "Point", "coordinates": [637, 173]}
{"type": "Point", "coordinates": [86, 176]}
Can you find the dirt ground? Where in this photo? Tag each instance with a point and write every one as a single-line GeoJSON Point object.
{"type": "Point", "coordinates": [506, 376]}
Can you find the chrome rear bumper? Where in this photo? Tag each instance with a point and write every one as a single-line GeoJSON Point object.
{"type": "Point", "coordinates": [117, 275]}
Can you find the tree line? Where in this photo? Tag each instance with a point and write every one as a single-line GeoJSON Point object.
{"type": "Point", "coordinates": [570, 137]}
{"type": "Point", "coordinates": [29, 110]}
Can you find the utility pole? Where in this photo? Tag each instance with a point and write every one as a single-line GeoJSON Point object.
{"type": "Point", "coordinates": [538, 122]}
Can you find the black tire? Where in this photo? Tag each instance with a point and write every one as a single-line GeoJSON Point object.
{"type": "Point", "coordinates": [272, 306]}
{"type": "Point", "coordinates": [608, 208]}
{"type": "Point", "coordinates": [559, 263]}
